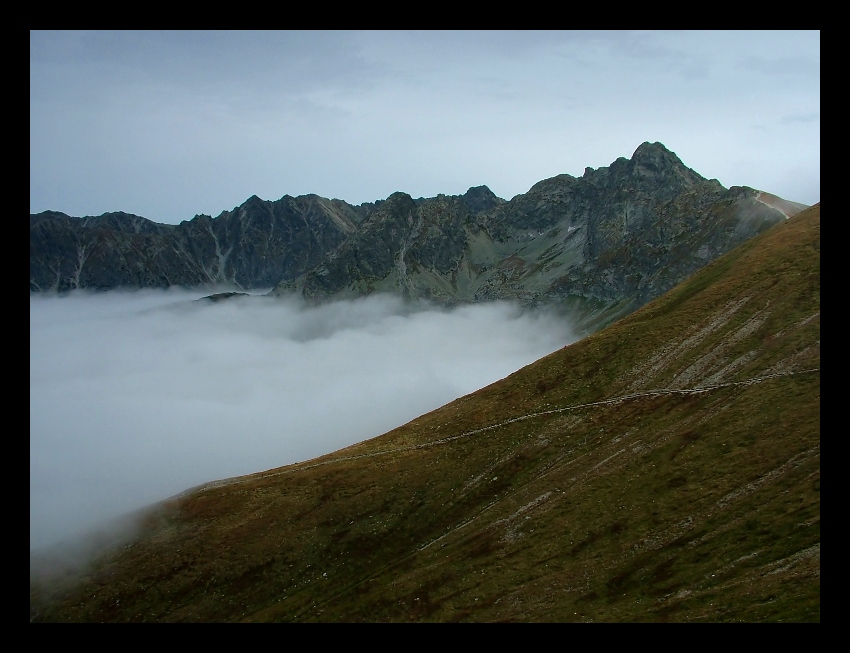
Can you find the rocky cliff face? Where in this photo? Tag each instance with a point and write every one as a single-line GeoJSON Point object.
{"type": "Point", "coordinates": [604, 243]}
{"type": "Point", "coordinates": [255, 245]}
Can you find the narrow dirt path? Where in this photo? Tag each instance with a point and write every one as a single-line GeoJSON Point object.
{"type": "Point", "coordinates": [296, 467]}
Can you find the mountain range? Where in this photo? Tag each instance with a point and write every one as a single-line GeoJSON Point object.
{"type": "Point", "coordinates": [600, 245]}
{"type": "Point", "coordinates": [664, 468]}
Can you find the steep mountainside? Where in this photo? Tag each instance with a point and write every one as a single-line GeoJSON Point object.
{"type": "Point", "coordinates": [665, 468]}
{"type": "Point", "coordinates": [603, 244]}
{"type": "Point", "coordinates": [254, 246]}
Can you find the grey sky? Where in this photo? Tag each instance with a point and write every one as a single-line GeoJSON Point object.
{"type": "Point", "coordinates": [170, 124]}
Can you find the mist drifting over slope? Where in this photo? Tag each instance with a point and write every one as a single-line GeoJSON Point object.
{"type": "Point", "coordinates": [136, 396]}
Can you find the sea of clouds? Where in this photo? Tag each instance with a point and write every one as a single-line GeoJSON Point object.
{"type": "Point", "coordinates": [137, 396]}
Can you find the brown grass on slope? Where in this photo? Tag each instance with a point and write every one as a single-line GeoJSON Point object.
{"type": "Point", "coordinates": [665, 468]}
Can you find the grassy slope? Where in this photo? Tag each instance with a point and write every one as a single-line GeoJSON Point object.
{"type": "Point", "coordinates": [694, 506]}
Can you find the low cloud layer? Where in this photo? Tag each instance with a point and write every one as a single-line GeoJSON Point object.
{"type": "Point", "coordinates": [138, 396]}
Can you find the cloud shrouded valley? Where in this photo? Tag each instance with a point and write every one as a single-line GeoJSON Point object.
{"type": "Point", "coordinates": [136, 396]}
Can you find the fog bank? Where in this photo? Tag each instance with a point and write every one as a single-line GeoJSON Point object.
{"type": "Point", "coordinates": [137, 396]}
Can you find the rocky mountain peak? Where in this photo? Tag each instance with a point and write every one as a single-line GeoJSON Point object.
{"type": "Point", "coordinates": [650, 151]}
{"type": "Point", "coordinates": [399, 201]}
{"type": "Point", "coordinates": [653, 171]}
{"type": "Point", "coordinates": [254, 202]}
{"type": "Point", "coordinates": [552, 184]}
{"type": "Point", "coordinates": [653, 160]}
{"type": "Point", "coordinates": [481, 198]}
{"type": "Point", "coordinates": [613, 238]}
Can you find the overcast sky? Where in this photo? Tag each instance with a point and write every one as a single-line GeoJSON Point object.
{"type": "Point", "coordinates": [170, 124]}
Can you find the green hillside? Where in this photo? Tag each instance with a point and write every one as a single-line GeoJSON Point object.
{"type": "Point", "coordinates": [666, 468]}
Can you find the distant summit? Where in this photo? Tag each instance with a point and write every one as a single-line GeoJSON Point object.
{"type": "Point", "coordinates": [602, 244]}
{"type": "Point", "coordinates": [481, 198]}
